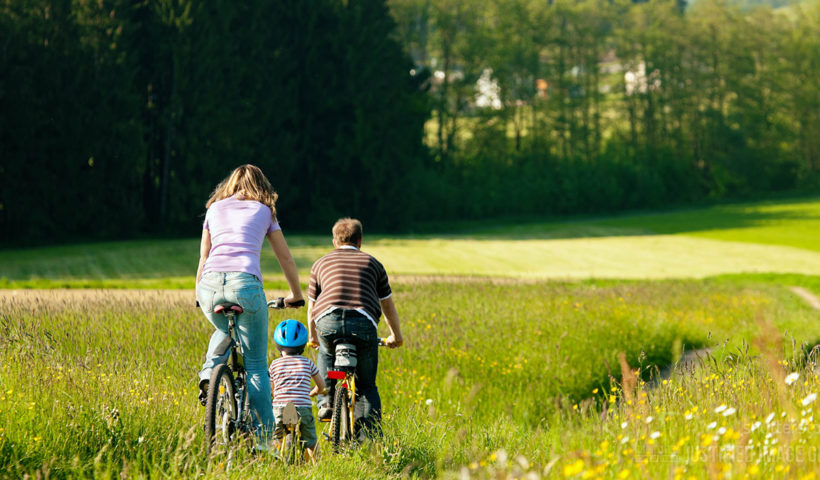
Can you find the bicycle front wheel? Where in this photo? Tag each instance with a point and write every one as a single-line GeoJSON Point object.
{"type": "Point", "coordinates": [340, 423]}
{"type": "Point", "coordinates": [220, 409]}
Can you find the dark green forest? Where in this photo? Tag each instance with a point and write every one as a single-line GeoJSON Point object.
{"type": "Point", "coordinates": [117, 118]}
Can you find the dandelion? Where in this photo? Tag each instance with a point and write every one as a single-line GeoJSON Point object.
{"type": "Point", "coordinates": [792, 377]}
{"type": "Point", "coordinates": [729, 411]}
{"type": "Point", "coordinates": [809, 399]}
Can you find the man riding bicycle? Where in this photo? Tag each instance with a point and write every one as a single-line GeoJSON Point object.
{"type": "Point", "coordinates": [348, 293]}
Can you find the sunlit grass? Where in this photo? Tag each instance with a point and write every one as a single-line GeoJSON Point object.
{"type": "Point", "coordinates": [775, 237]}
{"type": "Point", "coordinates": [101, 382]}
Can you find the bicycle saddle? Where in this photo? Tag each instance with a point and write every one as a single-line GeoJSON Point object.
{"type": "Point", "coordinates": [236, 308]}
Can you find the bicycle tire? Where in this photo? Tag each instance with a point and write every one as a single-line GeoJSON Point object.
{"type": "Point", "coordinates": [220, 409]}
{"type": "Point", "coordinates": [340, 423]}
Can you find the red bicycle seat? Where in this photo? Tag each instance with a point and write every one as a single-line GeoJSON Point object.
{"type": "Point", "coordinates": [228, 306]}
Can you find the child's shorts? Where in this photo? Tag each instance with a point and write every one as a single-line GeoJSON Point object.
{"type": "Point", "coordinates": [307, 429]}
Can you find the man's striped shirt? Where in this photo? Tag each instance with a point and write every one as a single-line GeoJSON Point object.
{"type": "Point", "coordinates": [350, 279]}
{"type": "Point", "coordinates": [290, 380]}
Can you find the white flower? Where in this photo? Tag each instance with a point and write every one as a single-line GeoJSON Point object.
{"type": "Point", "coordinates": [729, 411]}
{"type": "Point", "coordinates": [140, 440]}
{"type": "Point", "coordinates": [429, 401]}
{"type": "Point", "coordinates": [624, 425]}
{"type": "Point", "coordinates": [720, 409]}
{"type": "Point", "coordinates": [624, 440]}
{"type": "Point", "coordinates": [711, 426]}
{"type": "Point", "coordinates": [770, 418]}
{"type": "Point", "coordinates": [649, 419]}
{"type": "Point", "coordinates": [688, 416]}
{"type": "Point", "coordinates": [721, 430]}
{"type": "Point", "coordinates": [792, 377]}
{"type": "Point", "coordinates": [755, 426]}
{"type": "Point", "coordinates": [809, 398]}
{"type": "Point", "coordinates": [654, 435]}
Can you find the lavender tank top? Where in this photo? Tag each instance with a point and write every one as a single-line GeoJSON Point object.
{"type": "Point", "coordinates": [238, 229]}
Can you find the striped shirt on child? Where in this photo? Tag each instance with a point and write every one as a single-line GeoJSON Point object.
{"type": "Point", "coordinates": [290, 380]}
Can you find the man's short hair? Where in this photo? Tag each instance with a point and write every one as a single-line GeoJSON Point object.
{"type": "Point", "coordinates": [347, 231]}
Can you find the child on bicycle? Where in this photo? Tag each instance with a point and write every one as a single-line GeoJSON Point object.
{"type": "Point", "coordinates": [290, 377]}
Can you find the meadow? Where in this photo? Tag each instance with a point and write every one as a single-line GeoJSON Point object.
{"type": "Point", "coordinates": [513, 376]}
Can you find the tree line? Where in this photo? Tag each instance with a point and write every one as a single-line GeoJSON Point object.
{"type": "Point", "coordinates": [612, 104]}
{"type": "Point", "coordinates": [118, 117]}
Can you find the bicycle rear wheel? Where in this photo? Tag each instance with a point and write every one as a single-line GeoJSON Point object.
{"type": "Point", "coordinates": [340, 423]}
{"type": "Point", "coordinates": [220, 409]}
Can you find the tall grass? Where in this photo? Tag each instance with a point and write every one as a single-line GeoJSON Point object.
{"type": "Point", "coordinates": [102, 383]}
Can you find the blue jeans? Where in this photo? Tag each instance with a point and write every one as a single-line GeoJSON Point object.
{"type": "Point", "coordinates": [252, 326]}
{"type": "Point", "coordinates": [358, 328]}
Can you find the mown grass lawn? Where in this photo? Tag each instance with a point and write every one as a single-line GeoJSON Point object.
{"type": "Point", "coordinates": [776, 237]}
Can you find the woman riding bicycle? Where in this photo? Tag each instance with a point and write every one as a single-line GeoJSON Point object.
{"type": "Point", "coordinates": [241, 214]}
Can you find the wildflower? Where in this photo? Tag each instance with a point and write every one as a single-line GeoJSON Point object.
{"type": "Point", "coordinates": [688, 416]}
{"type": "Point", "coordinates": [792, 377]}
{"type": "Point", "coordinates": [809, 399]}
{"type": "Point", "coordinates": [770, 418]}
{"type": "Point", "coordinates": [429, 401]}
{"type": "Point", "coordinates": [720, 409]}
{"type": "Point", "coordinates": [729, 411]}
{"type": "Point", "coordinates": [755, 426]}
{"type": "Point", "coordinates": [624, 425]}
{"type": "Point", "coordinates": [721, 430]}
{"type": "Point", "coordinates": [654, 435]}
{"type": "Point", "coordinates": [624, 473]}
{"type": "Point", "coordinates": [649, 419]}
{"type": "Point", "coordinates": [625, 440]}
{"type": "Point", "coordinates": [574, 468]}
{"type": "Point", "coordinates": [711, 425]}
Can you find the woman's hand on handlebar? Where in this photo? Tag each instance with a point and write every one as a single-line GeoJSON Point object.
{"type": "Point", "coordinates": [291, 302]}
{"type": "Point", "coordinates": [281, 302]}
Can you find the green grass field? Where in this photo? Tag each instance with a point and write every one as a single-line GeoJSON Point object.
{"type": "Point", "coordinates": [779, 237]}
{"type": "Point", "coordinates": [511, 367]}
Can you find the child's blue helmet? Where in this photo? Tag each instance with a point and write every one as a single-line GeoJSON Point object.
{"type": "Point", "coordinates": [291, 334]}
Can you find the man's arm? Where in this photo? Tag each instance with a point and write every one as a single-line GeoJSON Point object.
{"type": "Point", "coordinates": [391, 315]}
{"type": "Point", "coordinates": [313, 337]}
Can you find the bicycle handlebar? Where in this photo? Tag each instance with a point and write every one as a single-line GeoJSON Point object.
{"type": "Point", "coordinates": [279, 303]}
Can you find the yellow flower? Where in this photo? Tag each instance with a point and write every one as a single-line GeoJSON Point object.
{"type": "Point", "coordinates": [624, 473]}
{"type": "Point", "coordinates": [574, 468]}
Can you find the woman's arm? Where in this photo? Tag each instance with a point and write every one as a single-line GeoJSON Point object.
{"type": "Point", "coordinates": [282, 252]}
{"type": "Point", "coordinates": [204, 251]}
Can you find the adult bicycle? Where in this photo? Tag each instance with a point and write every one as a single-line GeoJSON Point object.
{"type": "Point", "coordinates": [343, 392]}
{"type": "Point", "coordinates": [227, 407]}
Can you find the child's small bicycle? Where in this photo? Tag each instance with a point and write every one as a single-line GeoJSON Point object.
{"type": "Point", "coordinates": [227, 408]}
{"type": "Point", "coordinates": [290, 445]}
{"type": "Point", "coordinates": [343, 392]}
